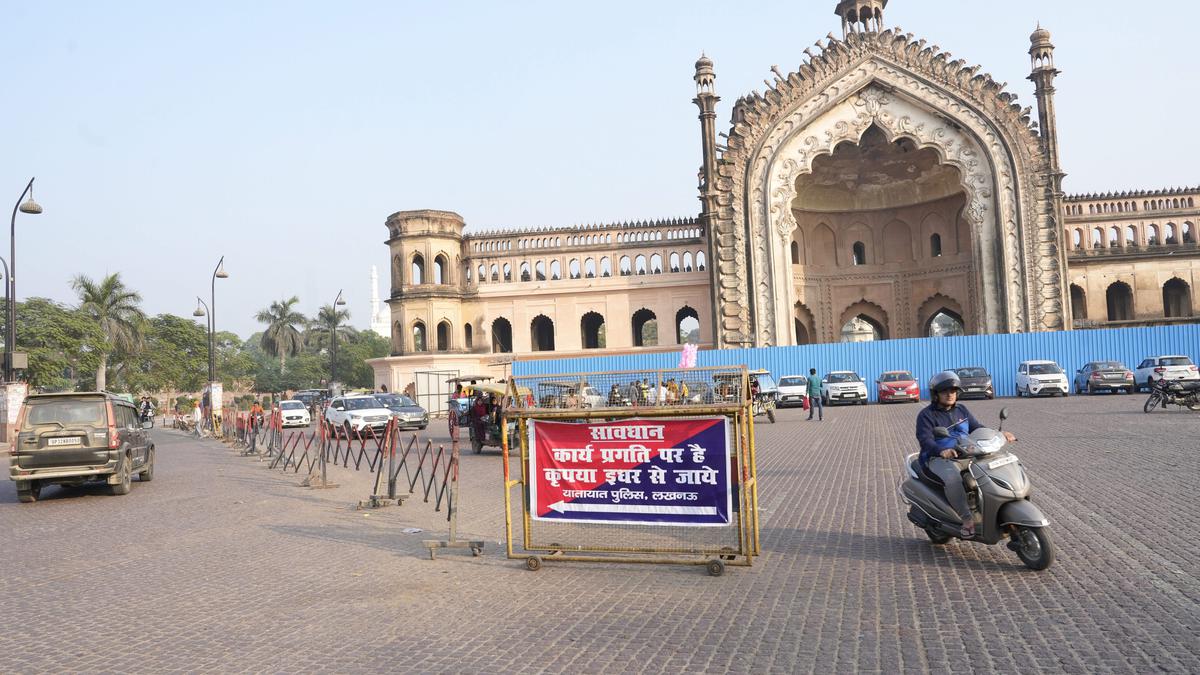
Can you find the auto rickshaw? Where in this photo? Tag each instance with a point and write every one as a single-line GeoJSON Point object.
{"type": "Point", "coordinates": [763, 391]}
{"type": "Point", "coordinates": [462, 409]}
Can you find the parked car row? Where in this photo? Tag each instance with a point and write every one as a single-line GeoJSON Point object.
{"type": "Point", "coordinates": [1033, 378]}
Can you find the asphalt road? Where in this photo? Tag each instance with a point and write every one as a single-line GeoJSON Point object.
{"type": "Point", "coordinates": [222, 565]}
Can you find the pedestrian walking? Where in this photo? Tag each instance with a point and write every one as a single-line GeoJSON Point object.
{"type": "Point", "coordinates": [814, 396]}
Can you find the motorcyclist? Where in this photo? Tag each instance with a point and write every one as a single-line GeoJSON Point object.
{"type": "Point", "coordinates": [937, 454]}
{"type": "Point", "coordinates": [146, 408]}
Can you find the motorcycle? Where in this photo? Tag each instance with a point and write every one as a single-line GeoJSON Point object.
{"type": "Point", "coordinates": [148, 416]}
{"type": "Point", "coordinates": [997, 491]}
{"type": "Point", "coordinates": [1173, 392]}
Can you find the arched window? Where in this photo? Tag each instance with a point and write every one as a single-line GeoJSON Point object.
{"type": "Point", "coordinates": [1152, 235]}
{"type": "Point", "coordinates": [443, 336]}
{"type": "Point", "coordinates": [1077, 239]}
{"type": "Point", "coordinates": [1130, 236]}
{"type": "Point", "coordinates": [687, 261]}
{"type": "Point", "coordinates": [541, 334]}
{"type": "Point", "coordinates": [944, 323]}
{"type": "Point", "coordinates": [687, 326]}
{"type": "Point", "coordinates": [507, 272]}
{"type": "Point", "coordinates": [418, 270]}
{"type": "Point", "coordinates": [645, 328]}
{"type": "Point", "coordinates": [1169, 234]}
{"type": "Point", "coordinates": [700, 261]}
{"type": "Point", "coordinates": [862, 328]}
{"type": "Point", "coordinates": [419, 344]}
{"type": "Point", "coordinates": [441, 268]}
{"type": "Point", "coordinates": [468, 337]}
{"type": "Point", "coordinates": [591, 328]}
{"type": "Point", "coordinates": [539, 270]}
{"type": "Point", "coordinates": [1189, 234]}
{"type": "Point", "coordinates": [555, 270]}
{"type": "Point", "coordinates": [1097, 237]}
{"type": "Point", "coordinates": [467, 273]}
{"type": "Point", "coordinates": [795, 253]}
{"type": "Point", "coordinates": [626, 267]}
{"type": "Point", "coordinates": [1119, 297]}
{"type": "Point", "coordinates": [495, 272]}
{"type": "Point", "coordinates": [1177, 299]}
{"type": "Point", "coordinates": [859, 251]}
{"type": "Point", "coordinates": [481, 273]}
{"type": "Point", "coordinates": [1078, 303]}
{"type": "Point", "coordinates": [639, 264]}
{"type": "Point", "coordinates": [656, 264]}
{"type": "Point", "coordinates": [501, 336]}
{"type": "Point", "coordinates": [674, 262]}
{"type": "Point", "coordinates": [574, 269]}
{"type": "Point", "coordinates": [801, 333]}
{"type": "Point", "coordinates": [526, 272]}
{"type": "Point", "coordinates": [935, 245]}
{"type": "Point", "coordinates": [605, 267]}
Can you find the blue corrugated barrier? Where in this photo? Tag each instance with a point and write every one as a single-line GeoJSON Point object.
{"type": "Point", "coordinates": [1000, 354]}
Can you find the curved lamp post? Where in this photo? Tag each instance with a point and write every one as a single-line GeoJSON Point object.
{"type": "Point", "coordinates": [10, 288]}
{"type": "Point", "coordinates": [218, 273]}
{"type": "Point", "coordinates": [337, 302]}
{"type": "Point", "coordinates": [202, 310]}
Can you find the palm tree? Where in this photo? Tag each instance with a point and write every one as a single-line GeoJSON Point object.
{"type": "Point", "coordinates": [115, 309]}
{"type": "Point", "coordinates": [328, 320]}
{"type": "Point", "coordinates": [281, 338]}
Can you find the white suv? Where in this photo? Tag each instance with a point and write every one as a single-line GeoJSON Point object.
{"type": "Point", "coordinates": [843, 386]}
{"type": "Point", "coordinates": [354, 414]}
{"type": "Point", "coordinates": [793, 389]}
{"type": "Point", "coordinates": [1037, 378]}
{"type": "Point", "coordinates": [294, 413]}
{"type": "Point", "coordinates": [1164, 368]}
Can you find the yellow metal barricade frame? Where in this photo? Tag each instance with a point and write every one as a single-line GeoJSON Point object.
{"type": "Point", "coordinates": [735, 406]}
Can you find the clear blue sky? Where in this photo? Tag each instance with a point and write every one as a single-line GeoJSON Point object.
{"type": "Point", "coordinates": [282, 134]}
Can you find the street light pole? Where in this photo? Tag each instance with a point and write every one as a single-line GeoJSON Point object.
{"type": "Point", "coordinates": [337, 302]}
{"type": "Point", "coordinates": [206, 312]}
{"type": "Point", "coordinates": [218, 273]}
{"type": "Point", "coordinates": [10, 286]}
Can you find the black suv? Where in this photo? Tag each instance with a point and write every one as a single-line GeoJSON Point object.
{"type": "Point", "coordinates": [72, 439]}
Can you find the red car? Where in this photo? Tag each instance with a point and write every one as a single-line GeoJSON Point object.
{"type": "Point", "coordinates": [897, 385]}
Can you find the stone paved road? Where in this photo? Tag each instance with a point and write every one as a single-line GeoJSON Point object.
{"type": "Point", "coordinates": [220, 565]}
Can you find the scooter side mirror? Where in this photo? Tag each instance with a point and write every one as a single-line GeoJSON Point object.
{"type": "Point", "coordinates": [941, 432]}
{"type": "Point", "coordinates": [1003, 414]}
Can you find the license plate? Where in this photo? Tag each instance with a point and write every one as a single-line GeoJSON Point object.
{"type": "Point", "coordinates": [72, 440]}
{"type": "Point", "coordinates": [1002, 462]}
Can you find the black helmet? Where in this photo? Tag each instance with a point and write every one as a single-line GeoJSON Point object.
{"type": "Point", "coordinates": [947, 379]}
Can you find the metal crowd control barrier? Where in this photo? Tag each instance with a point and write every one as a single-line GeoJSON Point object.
{"type": "Point", "coordinates": [646, 466]}
{"type": "Point", "coordinates": [433, 471]}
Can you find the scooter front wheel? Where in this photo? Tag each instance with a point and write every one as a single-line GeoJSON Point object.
{"type": "Point", "coordinates": [1034, 547]}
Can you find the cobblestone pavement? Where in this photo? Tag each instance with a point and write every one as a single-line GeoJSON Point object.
{"type": "Point", "coordinates": [221, 565]}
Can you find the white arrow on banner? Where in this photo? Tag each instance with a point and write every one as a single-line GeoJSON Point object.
{"type": "Point", "coordinates": [642, 509]}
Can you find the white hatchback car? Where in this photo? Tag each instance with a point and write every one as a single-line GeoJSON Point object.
{"type": "Point", "coordinates": [1041, 378]}
{"type": "Point", "coordinates": [353, 415]}
{"type": "Point", "coordinates": [294, 413]}
{"type": "Point", "coordinates": [843, 386]}
{"type": "Point", "coordinates": [793, 389]}
{"type": "Point", "coordinates": [1164, 368]}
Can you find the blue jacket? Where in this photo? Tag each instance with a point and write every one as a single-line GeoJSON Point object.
{"type": "Point", "coordinates": [958, 420]}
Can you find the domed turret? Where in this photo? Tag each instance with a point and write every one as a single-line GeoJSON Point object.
{"type": "Point", "coordinates": [705, 77]}
{"type": "Point", "coordinates": [861, 16]}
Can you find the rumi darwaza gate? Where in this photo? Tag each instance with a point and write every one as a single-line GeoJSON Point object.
{"type": "Point", "coordinates": [883, 189]}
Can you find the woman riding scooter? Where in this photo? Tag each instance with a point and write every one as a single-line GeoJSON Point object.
{"type": "Point", "coordinates": [937, 453]}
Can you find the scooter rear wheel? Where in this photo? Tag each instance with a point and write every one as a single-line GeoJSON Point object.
{"type": "Point", "coordinates": [1034, 547]}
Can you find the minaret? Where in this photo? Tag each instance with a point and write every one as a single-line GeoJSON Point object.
{"type": "Point", "coordinates": [861, 16]}
{"type": "Point", "coordinates": [706, 99]}
{"type": "Point", "coordinates": [375, 323]}
{"type": "Point", "coordinates": [1041, 54]}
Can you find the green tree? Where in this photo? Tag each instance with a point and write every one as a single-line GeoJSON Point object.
{"type": "Point", "coordinates": [174, 357]}
{"type": "Point", "coordinates": [327, 321]}
{"type": "Point", "coordinates": [352, 358]}
{"type": "Point", "coordinates": [115, 309]}
{"type": "Point", "coordinates": [59, 342]}
{"type": "Point", "coordinates": [281, 338]}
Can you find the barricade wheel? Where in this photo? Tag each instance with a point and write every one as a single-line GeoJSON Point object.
{"type": "Point", "coordinates": [727, 556]}
{"type": "Point", "coordinates": [533, 563]}
{"type": "Point", "coordinates": [476, 551]}
{"type": "Point", "coordinates": [715, 567]}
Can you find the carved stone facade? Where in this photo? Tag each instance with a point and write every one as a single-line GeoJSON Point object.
{"type": "Point", "coordinates": [883, 189]}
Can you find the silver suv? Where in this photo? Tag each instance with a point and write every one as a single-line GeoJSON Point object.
{"type": "Point", "coordinates": [72, 439]}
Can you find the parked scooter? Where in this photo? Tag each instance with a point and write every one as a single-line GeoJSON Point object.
{"type": "Point", "coordinates": [997, 491]}
{"type": "Point", "coordinates": [1173, 392]}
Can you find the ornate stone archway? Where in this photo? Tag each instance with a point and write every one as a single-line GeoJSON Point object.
{"type": "Point", "coordinates": [908, 91]}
